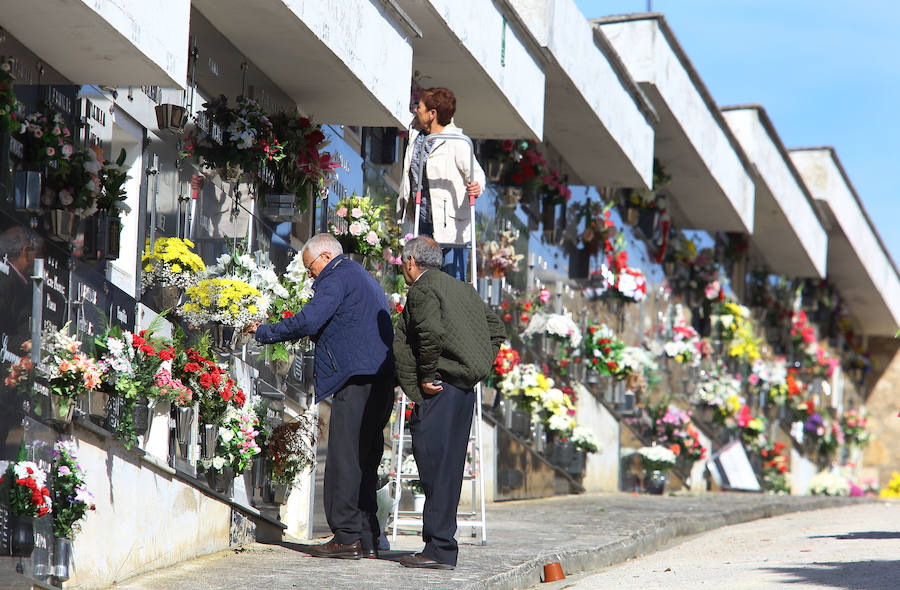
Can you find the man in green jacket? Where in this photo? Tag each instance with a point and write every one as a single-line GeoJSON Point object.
{"type": "Point", "coordinates": [445, 342]}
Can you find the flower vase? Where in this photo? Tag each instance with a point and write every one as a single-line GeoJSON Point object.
{"type": "Point", "coordinates": [140, 414]}
{"type": "Point", "coordinates": [591, 377]}
{"type": "Point", "coordinates": [282, 367]}
{"type": "Point", "coordinates": [61, 409]}
{"type": "Point", "coordinates": [209, 434]}
{"type": "Point", "coordinates": [227, 339]}
{"type": "Point", "coordinates": [419, 502]}
{"type": "Point", "coordinates": [563, 452]}
{"type": "Point", "coordinates": [520, 423]}
{"type": "Point", "coordinates": [62, 557]}
{"type": "Point", "coordinates": [63, 224]}
{"type": "Point", "coordinates": [220, 481]}
{"type": "Point", "coordinates": [575, 468]}
{"type": "Point", "coordinates": [184, 419]}
{"type": "Point", "coordinates": [279, 492]}
{"type": "Point", "coordinates": [162, 297]}
{"type": "Point", "coordinates": [21, 535]}
{"type": "Point", "coordinates": [655, 482]}
{"type": "Point", "coordinates": [97, 404]}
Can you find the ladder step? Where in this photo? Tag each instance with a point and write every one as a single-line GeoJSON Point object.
{"type": "Point", "coordinates": [417, 522]}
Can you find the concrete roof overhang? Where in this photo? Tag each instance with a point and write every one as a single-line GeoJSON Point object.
{"type": "Point", "coordinates": [312, 51]}
{"type": "Point", "coordinates": [859, 265]}
{"type": "Point", "coordinates": [787, 233]}
{"type": "Point", "coordinates": [471, 47]}
{"type": "Point", "coordinates": [595, 114]}
{"type": "Point", "coordinates": [123, 43]}
{"type": "Point", "coordinates": [712, 186]}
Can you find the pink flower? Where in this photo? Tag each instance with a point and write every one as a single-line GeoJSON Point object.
{"type": "Point", "coordinates": [712, 290]}
{"type": "Point", "coordinates": [372, 238]}
{"type": "Point", "coordinates": [753, 379]}
{"type": "Point", "coordinates": [51, 152]}
{"type": "Point", "coordinates": [545, 295]}
{"type": "Point", "coordinates": [357, 212]}
{"type": "Point", "coordinates": [342, 212]}
{"type": "Point", "coordinates": [356, 228]}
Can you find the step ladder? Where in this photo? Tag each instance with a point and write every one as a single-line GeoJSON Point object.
{"type": "Point", "coordinates": [475, 519]}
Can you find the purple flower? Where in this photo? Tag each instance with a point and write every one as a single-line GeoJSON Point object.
{"type": "Point", "coordinates": [813, 423]}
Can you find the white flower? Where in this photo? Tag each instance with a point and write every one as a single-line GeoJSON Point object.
{"type": "Point", "coordinates": [218, 462]}
{"type": "Point", "coordinates": [356, 213]}
{"type": "Point", "coordinates": [372, 238]}
{"type": "Point", "coordinates": [356, 228]}
{"type": "Point", "coordinates": [226, 434]}
{"type": "Point", "coordinates": [797, 432]}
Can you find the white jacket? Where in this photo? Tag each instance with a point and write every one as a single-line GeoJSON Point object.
{"type": "Point", "coordinates": [447, 169]}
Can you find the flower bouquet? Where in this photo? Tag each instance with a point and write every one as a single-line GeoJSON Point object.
{"type": "Point", "coordinates": [167, 269]}
{"type": "Point", "coordinates": [209, 382]}
{"type": "Point", "coordinates": [671, 427]}
{"type": "Point", "coordinates": [854, 424]}
{"type": "Point", "coordinates": [554, 187]}
{"type": "Point", "coordinates": [732, 321]}
{"type": "Point", "coordinates": [227, 306]}
{"type": "Point", "coordinates": [829, 483]}
{"type": "Point", "coordinates": [556, 412]}
{"type": "Point", "coordinates": [719, 390]}
{"type": "Point", "coordinates": [10, 107]}
{"type": "Point", "coordinates": [602, 351]}
{"type": "Point", "coordinates": [358, 225]}
{"type": "Point", "coordinates": [67, 371]}
{"type": "Point", "coordinates": [47, 143]}
{"type": "Point", "coordinates": [26, 493]}
{"type": "Point", "coordinates": [295, 291]}
{"type": "Point", "coordinates": [409, 467]}
{"type": "Point", "coordinates": [292, 449]}
{"type": "Point", "coordinates": [304, 164]}
{"type": "Point", "coordinates": [236, 444]}
{"type": "Point", "coordinates": [584, 440]}
{"type": "Point", "coordinates": [525, 385]}
{"type": "Point", "coordinates": [657, 460]}
{"type": "Point", "coordinates": [139, 370]}
{"type": "Point", "coordinates": [500, 257]}
{"type": "Point", "coordinates": [71, 498]}
{"type": "Point", "coordinates": [233, 140]}
{"type": "Point", "coordinates": [628, 284]}
{"type": "Point", "coordinates": [559, 328]}
{"type": "Point", "coordinates": [507, 360]}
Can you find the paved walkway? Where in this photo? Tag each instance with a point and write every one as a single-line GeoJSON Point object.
{"type": "Point", "coordinates": [584, 533]}
{"type": "Point", "coordinates": [852, 547]}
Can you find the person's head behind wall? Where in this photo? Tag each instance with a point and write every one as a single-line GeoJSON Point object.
{"type": "Point", "coordinates": [21, 246]}
{"type": "Point", "coordinates": [441, 100]}
{"type": "Point", "coordinates": [318, 251]}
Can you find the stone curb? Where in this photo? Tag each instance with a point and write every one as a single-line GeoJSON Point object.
{"type": "Point", "coordinates": [647, 540]}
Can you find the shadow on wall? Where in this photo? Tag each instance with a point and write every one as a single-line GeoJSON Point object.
{"type": "Point", "coordinates": [859, 575]}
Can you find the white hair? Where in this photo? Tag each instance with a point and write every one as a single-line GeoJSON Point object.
{"type": "Point", "coordinates": [321, 243]}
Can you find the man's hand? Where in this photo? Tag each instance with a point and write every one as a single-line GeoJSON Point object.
{"type": "Point", "coordinates": [431, 388]}
{"type": "Point", "coordinates": [473, 189]}
{"type": "Point", "coordinates": [251, 327]}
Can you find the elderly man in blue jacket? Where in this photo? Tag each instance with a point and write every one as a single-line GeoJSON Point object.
{"type": "Point", "coordinates": [349, 321]}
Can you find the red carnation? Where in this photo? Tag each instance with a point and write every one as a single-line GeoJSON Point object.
{"type": "Point", "coordinates": [192, 367]}
{"type": "Point", "coordinates": [206, 380]}
{"type": "Point", "coordinates": [226, 394]}
{"type": "Point", "coordinates": [287, 314]}
{"type": "Point", "coordinates": [507, 317]}
{"type": "Point", "coordinates": [137, 340]}
{"type": "Point", "coordinates": [148, 350]}
{"type": "Point", "coordinates": [166, 354]}
{"type": "Point", "coordinates": [216, 378]}
{"type": "Point", "coordinates": [611, 366]}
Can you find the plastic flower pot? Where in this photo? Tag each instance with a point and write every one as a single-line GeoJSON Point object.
{"type": "Point", "coordinates": [418, 502]}
{"type": "Point", "coordinates": [62, 557]}
{"type": "Point", "coordinates": [553, 572]}
{"type": "Point", "coordinates": [21, 535]}
{"type": "Point", "coordinates": [575, 468]}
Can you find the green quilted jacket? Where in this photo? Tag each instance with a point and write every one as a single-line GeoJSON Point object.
{"type": "Point", "coordinates": [447, 329]}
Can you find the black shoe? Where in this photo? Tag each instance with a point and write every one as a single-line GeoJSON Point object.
{"type": "Point", "coordinates": [369, 553]}
{"type": "Point", "coordinates": [336, 550]}
{"type": "Point", "coordinates": [419, 560]}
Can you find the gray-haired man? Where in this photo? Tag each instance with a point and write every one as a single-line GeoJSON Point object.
{"type": "Point", "coordinates": [445, 333]}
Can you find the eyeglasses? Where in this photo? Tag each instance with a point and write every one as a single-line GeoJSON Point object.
{"type": "Point", "coordinates": [313, 261]}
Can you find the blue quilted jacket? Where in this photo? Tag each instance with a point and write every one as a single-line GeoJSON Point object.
{"type": "Point", "coordinates": [349, 321]}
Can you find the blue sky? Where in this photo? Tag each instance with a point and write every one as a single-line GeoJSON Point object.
{"type": "Point", "coordinates": [827, 72]}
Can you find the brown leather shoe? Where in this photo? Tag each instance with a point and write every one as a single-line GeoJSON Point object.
{"type": "Point", "coordinates": [336, 550]}
{"type": "Point", "coordinates": [419, 560]}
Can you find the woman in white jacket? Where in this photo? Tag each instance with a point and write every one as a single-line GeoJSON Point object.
{"type": "Point", "coordinates": [444, 213]}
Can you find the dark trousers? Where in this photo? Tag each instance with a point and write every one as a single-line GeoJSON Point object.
{"type": "Point", "coordinates": [359, 412]}
{"type": "Point", "coordinates": [440, 428]}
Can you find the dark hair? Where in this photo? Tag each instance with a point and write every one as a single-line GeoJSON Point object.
{"type": "Point", "coordinates": [443, 101]}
